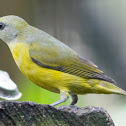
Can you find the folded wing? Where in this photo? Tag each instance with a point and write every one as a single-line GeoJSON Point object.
{"type": "Point", "coordinates": [61, 58]}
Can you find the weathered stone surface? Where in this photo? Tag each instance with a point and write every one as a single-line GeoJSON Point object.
{"type": "Point", "coordinates": [32, 114]}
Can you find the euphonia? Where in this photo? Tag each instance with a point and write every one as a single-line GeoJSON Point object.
{"type": "Point", "coordinates": [51, 64]}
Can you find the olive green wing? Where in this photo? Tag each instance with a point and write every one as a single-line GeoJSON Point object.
{"type": "Point", "coordinates": [57, 56]}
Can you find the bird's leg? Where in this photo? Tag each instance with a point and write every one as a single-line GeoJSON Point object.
{"type": "Point", "coordinates": [64, 96]}
{"type": "Point", "coordinates": [73, 98]}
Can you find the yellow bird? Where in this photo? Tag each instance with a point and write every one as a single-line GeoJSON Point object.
{"type": "Point", "coordinates": [51, 64]}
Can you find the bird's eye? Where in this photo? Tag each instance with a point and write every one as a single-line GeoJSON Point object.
{"type": "Point", "coordinates": [2, 26]}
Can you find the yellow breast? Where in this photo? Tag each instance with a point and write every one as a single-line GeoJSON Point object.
{"type": "Point", "coordinates": [47, 78]}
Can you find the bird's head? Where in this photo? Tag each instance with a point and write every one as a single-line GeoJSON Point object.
{"type": "Point", "coordinates": [10, 27]}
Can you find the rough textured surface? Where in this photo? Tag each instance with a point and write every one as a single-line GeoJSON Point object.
{"type": "Point", "coordinates": [32, 114]}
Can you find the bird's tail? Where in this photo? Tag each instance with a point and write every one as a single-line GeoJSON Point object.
{"type": "Point", "coordinates": [108, 88]}
{"type": "Point", "coordinates": [111, 88]}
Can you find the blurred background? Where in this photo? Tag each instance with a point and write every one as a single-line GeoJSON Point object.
{"type": "Point", "coordinates": [96, 29]}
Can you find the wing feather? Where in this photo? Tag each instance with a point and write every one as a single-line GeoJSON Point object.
{"type": "Point", "coordinates": [65, 60]}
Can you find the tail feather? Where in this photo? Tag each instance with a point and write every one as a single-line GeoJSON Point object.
{"type": "Point", "coordinates": [104, 87]}
{"type": "Point", "coordinates": [110, 88]}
